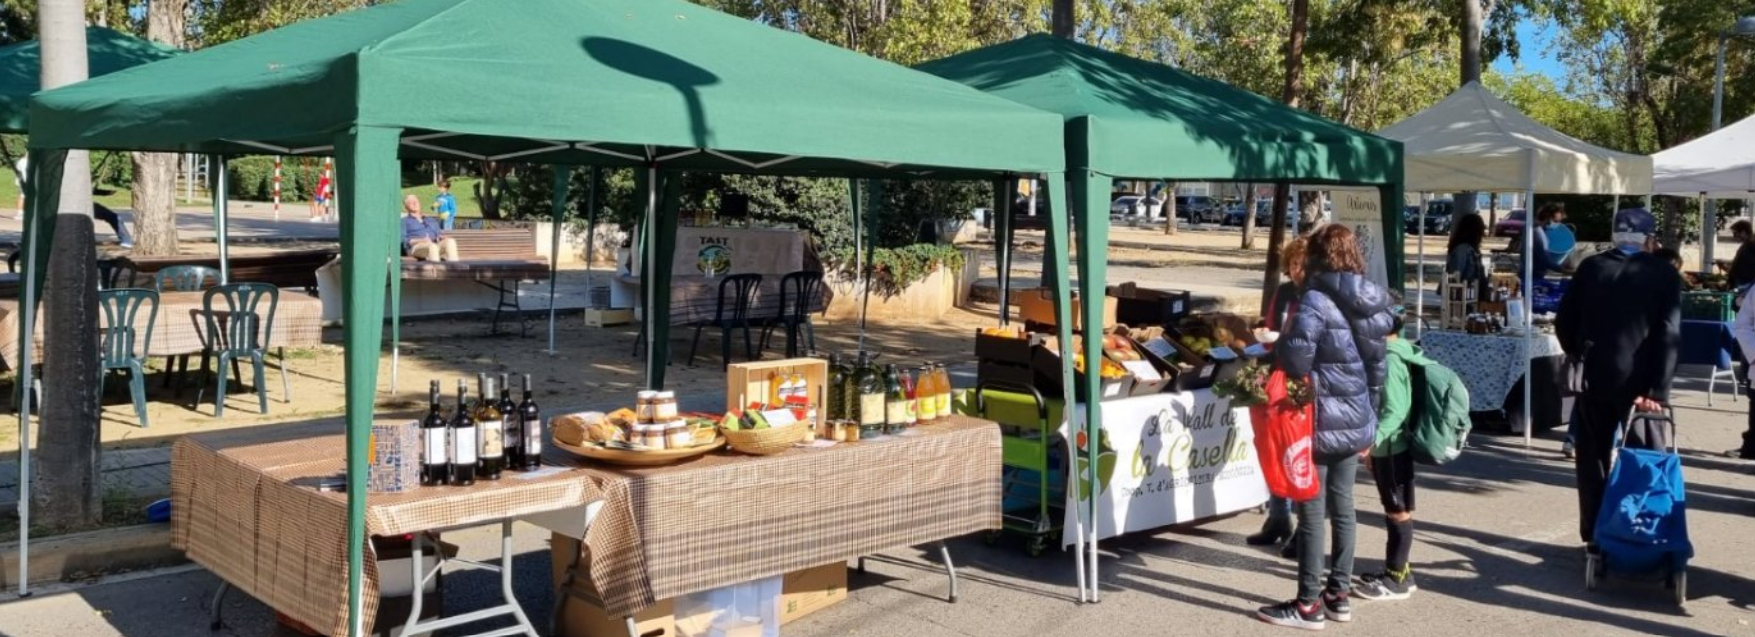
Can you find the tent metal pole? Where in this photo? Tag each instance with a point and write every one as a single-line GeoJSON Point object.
{"type": "Point", "coordinates": [221, 193]}
{"type": "Point", "coordinates": [651, 274]}
{"type": "Point", "coordinates": [1002, 194]}
{"type": "Point", "coordinates": [1057, 245]}
{"type": "Point", "coordinates": [27, 323]}
{"type": "Point", "coordinates": [857, 203]}
{"type": "Point", "coordinates": [875, 193]}
{"type": "Point", "coordinates": [1528, 326]}
{"type": "Point", "coordinates": [1420, 267]}
{"type": "Point", "coordinates": [559, 196]}
{"type": "Point", "coordinates": [590, 231]}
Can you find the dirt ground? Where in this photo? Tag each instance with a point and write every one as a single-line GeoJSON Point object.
{"type": "Point", "coordinates": [592, 366]}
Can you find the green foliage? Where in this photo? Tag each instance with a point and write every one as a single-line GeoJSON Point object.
{"type": "Point", "coordinates": [252, 178]}
{"type": "Point", "coordinates": [894, 269]}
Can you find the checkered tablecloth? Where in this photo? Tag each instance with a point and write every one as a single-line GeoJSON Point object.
{"type": "Point", "coordinates": [727, 518]}
{"type": "Point", "coordinates": [298, 322]}
{"type": "Point", "coordinates": [244, 505]}
{"type": "Point", "coordinates": [1488, 364]}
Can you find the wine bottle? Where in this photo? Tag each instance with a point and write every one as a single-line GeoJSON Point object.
{"type": "Point", "coordinates": [463, 439]}
{"type": "Point", "coordinates": [896, 416]}
{"type": "Point", "coordinates": [531, 419]}
{"type": "Point", "coordinates": [435, 466]}
{"type": "Point", "coordinates": [493, 430]}
{"type": "Point", "coordinates": [871, 399]}
{"type": "Point", "coordinates": [514, 440]}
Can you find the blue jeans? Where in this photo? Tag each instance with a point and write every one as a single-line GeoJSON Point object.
{"type": "Point", "coordinates": [1335, 503]}
{"type": "Point", "coordinates": [448, 221]}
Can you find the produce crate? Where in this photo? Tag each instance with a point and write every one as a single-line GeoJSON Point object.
{"type": "Point", "coordinates": [1707, 306]}
{"type": "Point", "coordinates": [1142, 306]}
{"type": "Point", "coordinates": [1169, 370]}
{"type": "Point", "coordinates": [1000, 349]}
{"type": "Point", "coordinates": [1047, 364]}
{"type": "Point", "coordinates": [1205, 372]}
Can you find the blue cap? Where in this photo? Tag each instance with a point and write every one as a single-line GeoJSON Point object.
{"type": "Point", "coordinates": [1635, 221]}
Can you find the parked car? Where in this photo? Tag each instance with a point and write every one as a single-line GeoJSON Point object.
{"type": "Point", "coordinates": [1511, 225]}
{"type": "Point", "coordinates": [1263, 214]}
{"type": "Point", "coordinates": [1440, 216]}
{"type": "Point", "coordinates": [1198, 209]}
{"type": "Point", "coordinates": [1136, 206]}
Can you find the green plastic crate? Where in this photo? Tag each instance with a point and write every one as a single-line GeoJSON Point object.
{"type": "Point", "coordinates": [1707, 306]}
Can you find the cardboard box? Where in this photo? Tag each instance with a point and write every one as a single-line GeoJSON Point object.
{"type": "Point", "coordinates": [1037, 306]}
{"type": "Point", "coordinates": [1139, 306]}
{"type": "Point", "coordinates": [812, 589]}
{"type": "Point", "coordinates": [581, 614]}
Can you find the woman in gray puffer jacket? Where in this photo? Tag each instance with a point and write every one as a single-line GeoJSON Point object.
{"type": "Point", "coordinates": [1337, 339]}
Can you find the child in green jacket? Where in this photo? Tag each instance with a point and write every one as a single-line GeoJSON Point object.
{"type": "Point", "coordinates": [1392, 464]}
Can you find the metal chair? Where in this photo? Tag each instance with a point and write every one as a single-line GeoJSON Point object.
{"type": "Point", "coordinates": [242, 331]}
{"type": "Point", "coordinates": [799, 292]}
{"type": "Point", "coordinates": [742, 290]}
{"type": "Point", "coordinates": [121, 338]}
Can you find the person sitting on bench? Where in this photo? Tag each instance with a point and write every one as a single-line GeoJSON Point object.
{"type": "Point", "coordinates": [421, 236]}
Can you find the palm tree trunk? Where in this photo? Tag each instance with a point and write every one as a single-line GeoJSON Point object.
{"type": "Point", "coordinates": [66, 485]}
{"type": "Point", "coordinates": [1063, 19]}
{"type": "Point", "coordinates": [1472, 17]}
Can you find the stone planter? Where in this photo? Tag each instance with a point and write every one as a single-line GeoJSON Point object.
{"type": "Point", "coordinates": [928, 298]}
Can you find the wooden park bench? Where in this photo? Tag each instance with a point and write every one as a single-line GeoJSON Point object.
{"type": "Point", "coordinates": [296, 269]}
{"type": "Point", "coordinates": [496, 258]}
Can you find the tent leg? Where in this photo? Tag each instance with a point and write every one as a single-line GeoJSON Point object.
{"type": "Point", "coordinates": [1055, 253]}
{"type": "Point", "coordinates": [42, 190]}
{"type": "Point", "coordinates": [559, 211]}
{"type": "Point", "coordinates": [370, 181]}
{"type": "Point", "coordinates": [1002, 191]}
{"type": "Point", "coordinates": [1420, 269]}
{"type": "Point", "coordinates": [856, 203]}
{"type": "Point", "coordinates": [221, 214]}
{"type": "Point", "coordinates": [1093, 258]}
{"type": "Point", "coordinates": [648, 276]}
{"type": "Point", "coordinates": [1529, 277]}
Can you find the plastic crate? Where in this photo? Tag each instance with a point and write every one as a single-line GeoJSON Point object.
{"type": "Point", "coordinates": [1707, 306]}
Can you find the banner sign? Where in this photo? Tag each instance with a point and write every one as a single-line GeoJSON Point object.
{"type": "Point", "coordinates": [1163, 459]}
{"type": "Point", "coordinates": [716, 252]}
{"type": "Point", "coordinates": [1363, 211]}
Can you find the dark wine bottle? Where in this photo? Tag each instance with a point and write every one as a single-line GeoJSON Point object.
{"type": "Point", "coordinates": [493, 430]}
{"type": "Point", "coordinates": [531, 417]}
{"type": "Point", "coordinates": [514, 442]}
{"type": "Point", "coordinates": [463, 439]}
{"type": "Point", "coordinates": [435, 468]}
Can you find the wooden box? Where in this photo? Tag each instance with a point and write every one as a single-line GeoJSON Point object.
{"type": "Point", "coordinates": [749, 382]}
{"type": "Point", "coordinates": [606, 317]}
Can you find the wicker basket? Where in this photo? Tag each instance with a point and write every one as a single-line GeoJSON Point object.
{"type": "Point", "coordinates": [764, 442]}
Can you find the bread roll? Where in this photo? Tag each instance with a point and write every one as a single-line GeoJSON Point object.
{"type": "Point", "coordinates": [575, 429]}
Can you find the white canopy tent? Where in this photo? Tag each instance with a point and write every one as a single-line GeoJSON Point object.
{"type": "Point", "coordinates": [1720, 165]}
{"type": "Point", "coordinates": [1474, 141]}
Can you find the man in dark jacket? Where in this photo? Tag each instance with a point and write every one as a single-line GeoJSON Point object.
{"type": "Point", "coordinates": [1623, 316]}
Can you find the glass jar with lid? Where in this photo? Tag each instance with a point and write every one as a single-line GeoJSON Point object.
{"type": "Point", "coordinates": [677, 435]}
{"type": "Point", "coordinates": [645, 406]}
{"type": "Point", "coordinates": [664, 406]}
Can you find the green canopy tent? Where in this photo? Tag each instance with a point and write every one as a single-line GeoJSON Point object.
{"type": "Point", "coordinates": [662, 86]}
{"type": "Point", "coordinates": [1129, 118]}
{"type": "Point", "coordinates": [21, 74]}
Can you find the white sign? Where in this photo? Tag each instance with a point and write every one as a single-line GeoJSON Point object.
{"type": "Point", "coordinates": [1164, 459]}
{"type": "Point", "coordinates": [1363, 211]}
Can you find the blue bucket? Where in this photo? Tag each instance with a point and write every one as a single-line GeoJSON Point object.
{"type": "Point", "coordinates": [1561, 241]}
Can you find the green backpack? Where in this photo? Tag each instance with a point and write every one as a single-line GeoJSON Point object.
{"type": "Point", "coordinates": [1439, 424]}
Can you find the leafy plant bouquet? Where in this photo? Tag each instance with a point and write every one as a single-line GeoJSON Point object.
{"type": "Point", "coordinates": [1248, 388]}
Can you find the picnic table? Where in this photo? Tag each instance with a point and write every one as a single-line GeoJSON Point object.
{"type": "Point", "coordinates": [179, 330]}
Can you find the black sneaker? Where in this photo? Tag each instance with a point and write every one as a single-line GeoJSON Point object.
{"type": "Point", "coordinates": [1385, 587]}
{"type": "Point", "coordinates": [1292, 614]}
{"type": "Point", "coordinates": [1289, 550]}
{"type": "Point", "coordinates": [1336, 607]}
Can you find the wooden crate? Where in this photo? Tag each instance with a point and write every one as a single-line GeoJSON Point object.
{"type": "Point", "coordinates": [605, 317]}
{"type": "Point", "coordinates": [748, 382]}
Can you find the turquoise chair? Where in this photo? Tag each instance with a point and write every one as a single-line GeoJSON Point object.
{"type": "Point", "coordinates": [239, 318]}
{"type": "Point", "coordinates": [122, 343]}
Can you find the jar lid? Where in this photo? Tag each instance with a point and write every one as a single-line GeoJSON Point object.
{"type": "Point", "coordinates": [646, 395]}
{"type": "Point", "coordinates": [667, 395]}
{"type": "Point", "coordinates": [678, 424]}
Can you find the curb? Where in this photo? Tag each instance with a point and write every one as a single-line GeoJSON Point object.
{"type": "Point", "coordinates": [78, 556]}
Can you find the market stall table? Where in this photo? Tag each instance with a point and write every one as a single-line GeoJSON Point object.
{"type": "Point", "coordinates": [245, 504]}
{"type": "Point", "coordinates": [298, 322]}
{"type": "Point", "coordinates": [1491, 366]}
{"type": "Point", "coordinates": [728, 518]}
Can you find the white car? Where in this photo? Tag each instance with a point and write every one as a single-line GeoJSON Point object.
{"type": "Point", "coordinates": [1136, 206]}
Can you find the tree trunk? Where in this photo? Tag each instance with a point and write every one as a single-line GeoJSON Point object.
{"type": "Point", "coordinates": [1472, 18]}
{"type": "Point", "coordinates": [489, 190]}
{"type": "Point", "coordinates": [1294, 84]}
{"type": "Point", "coordinates": [1063, 19]}
{"type": "Point", "coordinates": [1249, 217]}
{"type": "Point", "coordinates": [66, 484]}
{"type": "Point", "coordinates": [1169, 209]}
{"type": "Point", "coordinates": [154, 197]}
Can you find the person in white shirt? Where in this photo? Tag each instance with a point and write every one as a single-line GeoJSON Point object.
{"type": "Point", "coordinates": [18, 180]}
{"type": "Point", "coordinates": [1743, 326]}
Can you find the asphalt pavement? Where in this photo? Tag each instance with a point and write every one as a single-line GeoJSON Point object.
{"type": "Point", "coordinates": [1497, 553]}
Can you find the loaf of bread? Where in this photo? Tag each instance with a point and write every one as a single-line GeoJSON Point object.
{"type": "Point", "coordinates": [580, 428]}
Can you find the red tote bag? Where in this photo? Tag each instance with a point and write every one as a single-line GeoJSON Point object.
{"type": "Point", "coordinates": [1283, 431]}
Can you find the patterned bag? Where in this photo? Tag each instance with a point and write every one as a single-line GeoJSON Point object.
{"type": "Point", "coordinates": [1283, 442]}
